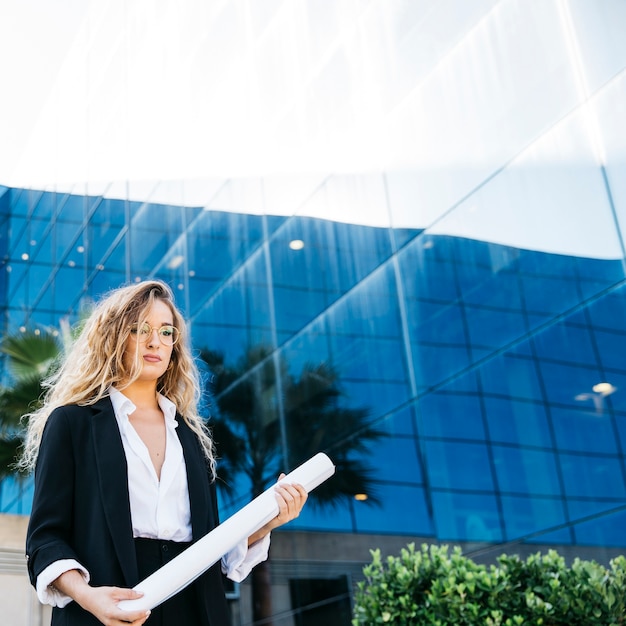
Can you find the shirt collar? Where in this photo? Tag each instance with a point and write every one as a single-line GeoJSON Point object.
{"type": "Point", "coordinates": [168, 408]}
{"type": "Point", "coordinates": [123, 406]}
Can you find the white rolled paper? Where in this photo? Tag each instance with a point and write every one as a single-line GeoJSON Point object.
{"type": "Point", "coordinates": [197, 558]}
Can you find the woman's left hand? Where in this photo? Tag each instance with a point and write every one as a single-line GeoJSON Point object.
{"type": "Point", "coordinates": [290, 499]}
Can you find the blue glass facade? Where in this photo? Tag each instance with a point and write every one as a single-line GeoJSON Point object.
{"type": "Point", "coordinates": [478, 359]}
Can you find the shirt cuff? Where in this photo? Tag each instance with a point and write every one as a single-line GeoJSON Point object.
{"type": "Point", "coordinates": [238, 563]}
{"type": "Point", "coordinates": [50, 595]}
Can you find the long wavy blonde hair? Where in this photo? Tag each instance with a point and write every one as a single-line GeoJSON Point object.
{"type": "Point", "coordinates": [94, 363]}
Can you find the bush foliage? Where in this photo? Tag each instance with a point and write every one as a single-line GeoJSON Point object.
{"type": "Point", "coordinates": [433, 587]}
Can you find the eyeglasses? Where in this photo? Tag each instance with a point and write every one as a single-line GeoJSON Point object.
{"type": "Point", "coordinates": [168, 335]}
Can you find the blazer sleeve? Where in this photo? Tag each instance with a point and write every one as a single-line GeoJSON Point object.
{"type": "Point", "coordinates": [50, 525]}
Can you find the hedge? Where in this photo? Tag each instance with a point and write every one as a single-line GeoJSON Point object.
{"type": "Point", "coordinates": [433, 587]}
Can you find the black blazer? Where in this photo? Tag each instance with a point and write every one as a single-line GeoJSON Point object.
{"type": "Point", "coordinates": [81, 508]}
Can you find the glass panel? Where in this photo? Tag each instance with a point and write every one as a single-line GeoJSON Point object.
{"type": "Point", "coordinates": [511, 376]}
{"type": "Point", "coordinates": [156, 227]}
{"type": "Point", "coordinates": [598, 39]}
{"type": "Point", "coordinates": [15, 496]}
{"type": "Point", "coordinates": [523, 471]}
{"type": "Point", "coordinates": [566, 342]}
{"type": "Point", "coordinates": [19, 202]}
{"type": "Point", "coordinates": [489, 329]}
{"type": "Point", "coordinates": [100, 240]}
{"type": "Point", "coordinates": [569, 385]}
{"type": "Point", "coordinates": [310, 347]}
{"type": "Point", "coordinates": [384, 455]}
{"type": "Point", "coordinates": [103, 281]}
{"type": "Point", "coordinates": [329, 260]}
{"type": "Point", "coordinates": [66, 287]}
{"type": "Point", "coordinates": [67, 237]}
{"type": "Point", "coordinates": [71, 208]}
{"type": "Point", "coordinates": [453, 465]}
{"type": "Point", "coordinates": [458, 416]}
{"type": "Point", "coordinates": [466, 517]}
{"type": "Point", "coordinates": [18, 286]}
{"type": "Point", "coordinates": [40, 236]}
{"type": "Point", "coordinates": [38, 277]}
{"type": "Point", "coordinates": [602, 525]}
{"type": "Point", "coordinates": [114, 257]}
{"type": "Point", "coordinates": [458, 115]}
{"type": "Point", "coordinates": [107, 211]}
{"type": "Point", "coordinates": [583, 430]}
{"type": "Point", "coordinates": [525, 516]}
{"type": "Point", "coordinates": [517, 422]}
{"type": "Point", "coordinates": [317, 518]}
{"type": "Point", "coordinates": [403, 511]}
{"type": "Point", "coordinates": [380, 397]}
{"type": "Point", "coordinates": [237, 316]}
{"type": "Point", "coordinates": [43, 205]}
{"type": "Point", "coordinates": [592, 476]}
{"type": "Point", "coordinates": [612, 140]}
{"type": "Point", "coordinates": [218, 244]}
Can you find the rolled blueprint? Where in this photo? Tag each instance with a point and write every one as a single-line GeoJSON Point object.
{"type": "Point", "coordinates": [197, 558]}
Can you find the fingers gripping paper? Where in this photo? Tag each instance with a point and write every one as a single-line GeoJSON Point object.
{"type": "Point", "coordinates": [195, 560]}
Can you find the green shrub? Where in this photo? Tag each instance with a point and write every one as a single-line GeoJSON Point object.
{"type": "Point", "coordinates": [434, 587]}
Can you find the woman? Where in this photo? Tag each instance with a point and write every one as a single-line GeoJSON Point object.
{"type": "Point", "coordinates": [125, 471]}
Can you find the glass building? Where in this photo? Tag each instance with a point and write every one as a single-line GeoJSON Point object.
{"type": "Point", "coordinates": [495, 370]}
{"type": "Point", "coordinates": [470, 294]}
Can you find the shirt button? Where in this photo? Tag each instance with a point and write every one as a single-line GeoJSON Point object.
{"type": "Point", "coordinates": [167, 534]}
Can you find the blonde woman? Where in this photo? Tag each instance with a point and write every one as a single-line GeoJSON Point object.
{"type": "Point", "coordinates": [125, 471]}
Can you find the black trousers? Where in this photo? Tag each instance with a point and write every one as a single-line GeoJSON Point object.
{"type": "Point", "coordinates": [184, 608]}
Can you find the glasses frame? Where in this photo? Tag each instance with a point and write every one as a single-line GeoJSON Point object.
{"type": "Point", "coordinates": [134, 331]}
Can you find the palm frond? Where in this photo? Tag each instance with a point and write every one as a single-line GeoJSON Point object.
{"type": "Point", "coordinates": [30, 354]}
{"type": "Point", "coordinates": [30, 358]}
{"type": "Point", "coordinates": [19, 399]}
{"type": "Point", "coordinates": [9, 450]}
{"type": "Point", "coordinates": [248, 428]}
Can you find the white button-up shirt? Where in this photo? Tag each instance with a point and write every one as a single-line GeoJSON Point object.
{"type": "Point", "coordinates": [159, 509]}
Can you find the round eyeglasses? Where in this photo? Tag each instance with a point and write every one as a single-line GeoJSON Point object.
{"type": "Point", "coordinates": [168, 335]}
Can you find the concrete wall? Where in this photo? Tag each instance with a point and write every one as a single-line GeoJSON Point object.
{"type": "Point", "coordinates": [20, 606]}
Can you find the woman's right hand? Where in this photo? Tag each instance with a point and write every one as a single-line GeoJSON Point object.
{"type": "Point", "coordinates": [101, 602]}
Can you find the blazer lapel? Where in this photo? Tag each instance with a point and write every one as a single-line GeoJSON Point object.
{"type": "Point", "coordinates": [113, 484]}
{"type": "Point", "coordinates": [202, 519]}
